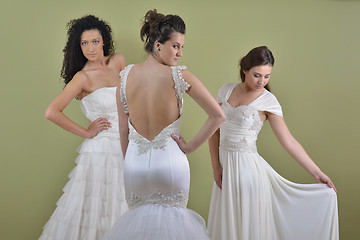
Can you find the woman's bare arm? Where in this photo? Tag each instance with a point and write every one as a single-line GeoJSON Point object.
{"type": "Point", "coordinates": [206, 101]}
{"type": "Point", "coordinates": [214, 154]}
{"type": "Point", "coordinates": [123, 122]}
{"type": "Point", "coordinates": [294, 148]}
{"type": "Point", "coordinates": [54, 112]}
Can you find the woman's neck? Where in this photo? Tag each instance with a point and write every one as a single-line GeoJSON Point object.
{"type": "Point", "coordinates": [100, 63]}
{"type": "Point", "coordinates": [244, 88]}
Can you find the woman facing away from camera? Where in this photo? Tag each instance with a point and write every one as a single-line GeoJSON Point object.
{"type": "Point", "coordinates": [250, 201]}
{"type": "Point", "coordinates": [156, 169]}
{"type": "Point", "coordinates": [94, 197]}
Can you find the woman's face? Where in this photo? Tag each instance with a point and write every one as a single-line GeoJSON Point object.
{"type": "Point", "coordinates": [170, 52]}
{"type": "Point", "coordinates": [257, 77]}
{"type": "Point", "coordinates": [91, 44]}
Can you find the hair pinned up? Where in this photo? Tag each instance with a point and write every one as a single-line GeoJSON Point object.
{"type": "Point", "coordinates": [256, 57]}
{"type": "Point", "coordinates": [158, 27]}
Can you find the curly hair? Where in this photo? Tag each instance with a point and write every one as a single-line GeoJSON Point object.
{"type": "Point", "coordinates": [256, 57]}
{"type": "Point", "coordinates": [158, 27]}
{"type": "Point", "coordinates": [74, 59]}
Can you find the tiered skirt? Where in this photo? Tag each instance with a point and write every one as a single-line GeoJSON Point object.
{"type": "Point", "coordinates": [94, 197]}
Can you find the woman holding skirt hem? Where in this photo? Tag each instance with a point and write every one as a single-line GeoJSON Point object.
{"type": "Point", "coordinates": [250, 201]}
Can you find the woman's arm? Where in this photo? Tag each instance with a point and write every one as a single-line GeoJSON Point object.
{"type": "Point", "coordinates": [214, 154]}
{"type": "Point", "coordinates": [294, 148]}
{"type": "Point", "coordinates": [206, 101]}
{"type": "Point", "coordinates": [54, 112]}
{"type": "Point", "coordinates": [123, 122]}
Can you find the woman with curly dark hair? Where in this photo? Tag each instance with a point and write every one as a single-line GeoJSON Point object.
{"type": "Point", "coordinates": [93, 198]}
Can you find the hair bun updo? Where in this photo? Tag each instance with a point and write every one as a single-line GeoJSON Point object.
{"type": "Point", "coordinates": [158, 27]}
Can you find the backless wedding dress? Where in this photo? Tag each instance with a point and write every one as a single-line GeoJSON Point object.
{"type": "Point", "coordinates": [157, 180]}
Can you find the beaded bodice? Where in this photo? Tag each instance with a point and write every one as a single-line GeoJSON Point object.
{"type": "Point", "coordinates": [240, 130]}
{"type": "Point", "coordinates": [159, 142]}
{"type": "Point", "coordinates": [242, 125]}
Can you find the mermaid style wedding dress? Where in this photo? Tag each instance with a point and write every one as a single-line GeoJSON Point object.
{"type": "Point", "coordinates": [157, 180]}
{"type": "Point", "coordinates": [94, 197]}
{"type": "Point", "coordinates": [255, 202]}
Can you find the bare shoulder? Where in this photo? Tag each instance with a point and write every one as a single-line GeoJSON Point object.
{"type": "Point", "coordinates": [80, 76]}
{"type": "Point", "coordinates": [80, 80]}
{"type": "Point", "coordinates": [119, 57]}
{"type": "Point", "coordinates": [118, 60]}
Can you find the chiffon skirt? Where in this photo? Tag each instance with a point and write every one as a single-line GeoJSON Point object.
{"type": "Point", "coordinates": [256, 203]}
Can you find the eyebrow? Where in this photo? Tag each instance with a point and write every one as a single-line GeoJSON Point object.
{"type": "Point", "coordinates": [90, 40]}
{"type": "Point", "coordinates": [261, 74]}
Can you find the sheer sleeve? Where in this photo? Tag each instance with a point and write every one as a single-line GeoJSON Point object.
{"type": "Point", "coordinates": [224, 92]}
{"type": "Point", "coordinates": [268, 103]}
{"type": "Point", "coordinates": [220, 97]}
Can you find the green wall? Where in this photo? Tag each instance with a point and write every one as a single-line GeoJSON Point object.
{"type": "Point", "coordinates": [316, 79]}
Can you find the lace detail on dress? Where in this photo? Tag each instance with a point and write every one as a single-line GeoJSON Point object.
{"type": "Point", "coordinates": [179, 200]}
{"type": "Point", "coordinates": [257, 125]}
{"type": "Point", "coordinates": [243, 145]}
{"type": "Point", "coordinates": [246, 113]}
{"type": "Point", "coordinates": [181, 85]}
{"type": "Point", "coordinates": [124, 74]}
{"type": "Point", "coordinates": [159, 142]}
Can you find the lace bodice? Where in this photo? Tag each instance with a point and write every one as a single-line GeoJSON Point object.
{"type": "Point", "coordinates": [159, 142]}
{"type": "Point", "coordinates": [242, 125]}
{"type": "Point", "coordinates": [102, 103]}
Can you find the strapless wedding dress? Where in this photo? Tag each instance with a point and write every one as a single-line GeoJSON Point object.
{"type": "Point", "coordinates": [94, 197]}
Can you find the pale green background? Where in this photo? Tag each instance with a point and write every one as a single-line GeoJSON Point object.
{"type": "Point", "coordinates": [316, 79]}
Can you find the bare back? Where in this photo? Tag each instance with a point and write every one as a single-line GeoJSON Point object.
{"type": "Point", "coordinates": [151, 99]}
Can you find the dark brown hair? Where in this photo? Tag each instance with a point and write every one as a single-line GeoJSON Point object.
{"type": "Point", "coordinates": [158, 27]}
{"type": "Point", "coordinates": [256, 57]}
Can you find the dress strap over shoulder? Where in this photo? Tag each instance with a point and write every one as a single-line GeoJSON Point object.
{"type": "Point", "coordinates": [267, 102]}
{"type": "Point", "coordinates": [124, 74]}
{"type": "Point", "coordinates": [224, 92]}
{"type": "Point", "coordinates": [181, 85]}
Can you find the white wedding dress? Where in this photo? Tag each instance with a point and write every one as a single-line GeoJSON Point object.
{"type": "Point", "coordinates": [255, 202]}
{"type": "Point", "coordinates": [157, 180]}
{"type": "Point", "coordinates": [94, 197]}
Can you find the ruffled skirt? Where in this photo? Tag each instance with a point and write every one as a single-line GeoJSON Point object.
{"type": "Point", "coordinates": [158, 222]}
{"type": "Point", "coordinates": [94, 197]}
